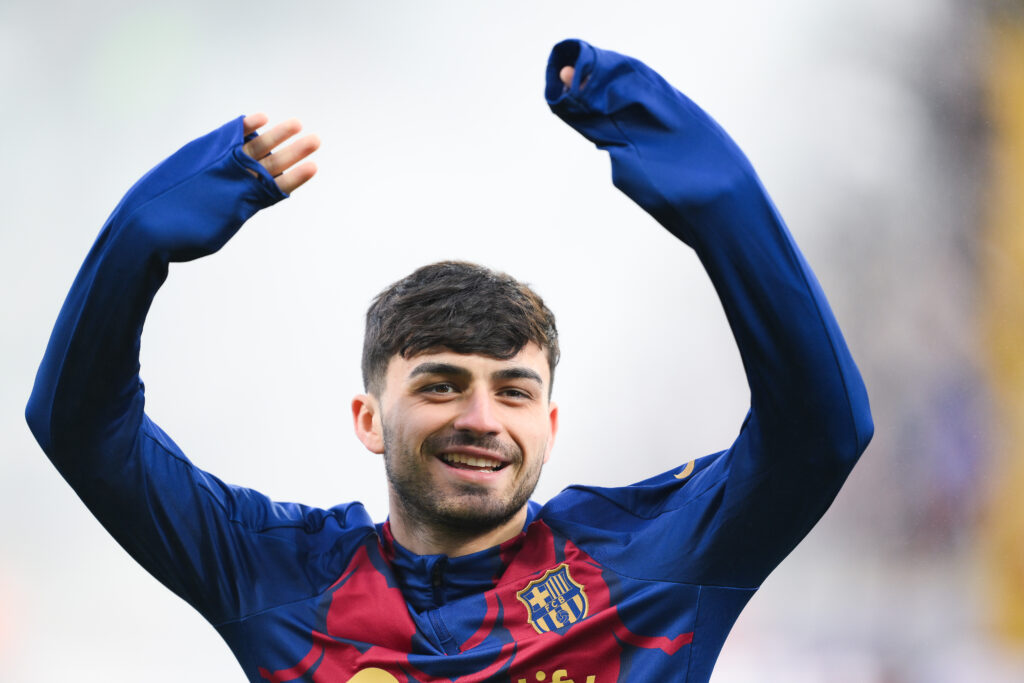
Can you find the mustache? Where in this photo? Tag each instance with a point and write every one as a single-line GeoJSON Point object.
{"type": "Point", "coordinates": [438, 443]}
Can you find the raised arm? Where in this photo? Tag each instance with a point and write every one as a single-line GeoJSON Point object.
{"type": "Point", "coordinates": [86, 410]}
{"type": "Point", "coordinates": [87, 390]}
{"type": "Point", "coordinates": [742, 511]}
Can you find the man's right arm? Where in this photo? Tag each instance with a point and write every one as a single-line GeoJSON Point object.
{"type": "Point", "coordinates": [87, 406]}
{"type": "Point", "coordinates": [87, 393]}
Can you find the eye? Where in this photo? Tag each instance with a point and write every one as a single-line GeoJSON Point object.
{"type": "Point", "coordinates": [440, 388]}
{"type": "Point", "coordinates": [515, 393]}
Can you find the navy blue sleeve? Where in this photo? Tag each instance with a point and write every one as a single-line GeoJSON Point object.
{"type": "Point", "coordinates": [729, 518]}
{"type": "Point", "coordinates": [228, 551]}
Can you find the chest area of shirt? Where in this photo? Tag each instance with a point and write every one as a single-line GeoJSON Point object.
{"type": "Point", "coordinates": [555, 614]}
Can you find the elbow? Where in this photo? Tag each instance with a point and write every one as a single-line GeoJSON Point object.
{"type": "Point", "coordinates": [863, 424]}
{"type": "Point", "coordinates": [849, 435]}
{"type": "Point", "coordinates": [848, 425]}
{"type": "Point", "coordinates": [37, 415]}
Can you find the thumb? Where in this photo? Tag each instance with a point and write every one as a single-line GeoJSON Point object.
{"type": "Point", "coordinates": [566, 74]}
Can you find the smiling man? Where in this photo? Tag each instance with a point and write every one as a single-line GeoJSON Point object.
{"type": "Point", "coordinates": [468, 579]}
{"type": "Point", "coordinates": [464, 440]}
{"type": "Point", "coordinates": [458, 361]}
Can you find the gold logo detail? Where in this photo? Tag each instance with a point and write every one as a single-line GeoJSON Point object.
{"type": "Point", "coordinates": [373, 675]}
{"type": "Point", "coordinates": [554, 602]}
{"type": "Point", "coordinates": [686, 471]}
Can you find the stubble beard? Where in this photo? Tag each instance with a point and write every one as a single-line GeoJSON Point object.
{"type": "Point", "coordinates": [468, 510]}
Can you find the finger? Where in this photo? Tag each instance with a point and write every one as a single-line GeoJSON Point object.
{"type": "Point", "coordinates": [262, 145]}
{"type": "Point", "coordinates": [296, 177]}
{"type": "Point", "coordinates": [252, 122]}
{"type": "Point", "coordinates": [279, 162]}
{"type": "Point", "coordinates": [566, 74]}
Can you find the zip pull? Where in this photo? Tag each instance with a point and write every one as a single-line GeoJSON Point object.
{"type": "Point", "coordinates": [437, 572]}
{"type": "Point", "coordinates": [435, 575]}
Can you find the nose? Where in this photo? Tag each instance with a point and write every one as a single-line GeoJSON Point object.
{"type": "Point", "coordinates": [477, 414]}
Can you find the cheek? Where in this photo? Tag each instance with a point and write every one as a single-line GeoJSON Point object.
{"type": "Point", "coordinates": [533, 434]}
{"type": "Point", "coordinates": [411, 426]}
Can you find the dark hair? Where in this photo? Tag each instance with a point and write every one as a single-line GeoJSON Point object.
{"type": "Point", "coordinates": [459, 306]}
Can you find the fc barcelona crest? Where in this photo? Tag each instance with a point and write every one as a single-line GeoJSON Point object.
{"type": "Point", "coordinates": [554, 602]}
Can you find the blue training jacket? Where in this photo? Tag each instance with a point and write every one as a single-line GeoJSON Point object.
{"type": "Point", "coordinates": [639, 583]}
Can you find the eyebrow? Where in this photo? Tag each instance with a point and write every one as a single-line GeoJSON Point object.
{"type": "Point", "coordinates": [438, 369]}
{"type": "Point", "coordinates": [518, 373]}
{"type": "Point", "coordinates": [451, 370]}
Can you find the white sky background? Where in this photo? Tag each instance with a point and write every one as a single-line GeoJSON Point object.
{"type": "Point", "coordinates": [437, 144]}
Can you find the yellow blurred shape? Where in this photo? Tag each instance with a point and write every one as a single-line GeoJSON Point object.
{"type": "Point", "coordinates": [1002, 273]}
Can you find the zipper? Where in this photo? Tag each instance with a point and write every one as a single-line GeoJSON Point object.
{"type": "Point", "coordinates": [444, 637]}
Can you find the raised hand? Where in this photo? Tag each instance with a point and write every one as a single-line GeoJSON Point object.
{"type": "Point", "coordinates": [282, 163]}
{"type": "Point", "coordinates": [565, 74]}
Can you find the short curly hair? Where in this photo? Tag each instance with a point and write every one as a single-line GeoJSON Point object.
{"type": "Point", "coordinates": [459, 306]}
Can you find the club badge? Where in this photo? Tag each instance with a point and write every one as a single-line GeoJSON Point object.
{"type": "Point", "coordinates": [554, 602]}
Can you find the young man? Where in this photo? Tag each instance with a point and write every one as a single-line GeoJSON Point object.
{"type": "Point", "coordinates": [468, 580]}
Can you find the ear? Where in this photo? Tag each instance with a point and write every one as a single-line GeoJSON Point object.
{"type": "Point", "coordinates": [553, 417]}
{"type": "Point", "coordinates": [366, 419]}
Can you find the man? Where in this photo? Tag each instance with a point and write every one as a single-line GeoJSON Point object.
{"type": "Point", "coordinates": [468, 580]}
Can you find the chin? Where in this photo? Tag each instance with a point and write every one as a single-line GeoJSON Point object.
{"type": "Point", "coordinates": [479, 517]}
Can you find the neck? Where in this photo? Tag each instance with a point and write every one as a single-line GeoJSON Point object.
{"type": "Point", "coordinates": [428, 539]}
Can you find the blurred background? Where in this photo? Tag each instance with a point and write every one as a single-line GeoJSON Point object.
{"type": "Point", "coordinates": [891, 136]}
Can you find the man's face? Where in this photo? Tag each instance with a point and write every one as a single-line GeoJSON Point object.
{"type": "Point", "coordinates": [465, 436]}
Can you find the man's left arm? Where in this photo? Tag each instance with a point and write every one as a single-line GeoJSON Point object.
{"type": "Point", "coordinates": [739, 513]}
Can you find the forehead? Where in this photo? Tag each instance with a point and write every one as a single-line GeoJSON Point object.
{"type": "Point", "coordinates": [530, 357]}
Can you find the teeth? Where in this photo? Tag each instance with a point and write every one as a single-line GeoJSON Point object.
{"type": "Point", "coordinates": [470, 460]}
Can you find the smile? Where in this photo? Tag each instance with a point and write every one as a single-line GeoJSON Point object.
{"type": "Point", "coordinates": [471, 462]}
